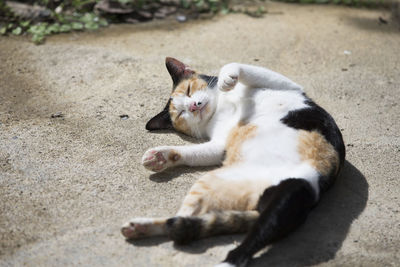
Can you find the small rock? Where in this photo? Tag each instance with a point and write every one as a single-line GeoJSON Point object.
{"type": "Point", "coordinates": [124, 117]}
{"type": "Point", "coordinates": [181, 18]}
{"type": "Point", "coordinates": [29, 12]}
{"type": "Point", "coordinates": [159, 15]}
{"type": "Point", "coordinates": [167, 10]}
{"type": "Point", "coordinates": [344, 69]}
{"type": "Point", "coordinates": [131, 20]}
{"type": "Point", "coordinates": [382, 20]}
{"type": "Point", "coordinates": [347, 52]}
{"type": "Point", "coordinates": [57, 115]}
{"type": "Point", "coordinates": [112, 7]}
{"type": "Point", "coordinates": [145, 14]}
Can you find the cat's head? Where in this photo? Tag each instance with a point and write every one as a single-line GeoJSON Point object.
{"type": "Point", "coordinates": [192, 102]}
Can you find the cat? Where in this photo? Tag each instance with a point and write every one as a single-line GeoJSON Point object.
{"type": "Point", "coordinates": [278, 149]}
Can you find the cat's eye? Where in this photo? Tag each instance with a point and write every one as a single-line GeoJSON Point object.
{"type": "Point", "coordinates": [188, 90]}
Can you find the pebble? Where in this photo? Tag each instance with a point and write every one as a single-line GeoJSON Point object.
{"type": "Point", "coordinates": [181, 18]}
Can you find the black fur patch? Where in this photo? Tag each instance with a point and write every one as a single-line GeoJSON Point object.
{"type": "Point", "coordinates": [160, 121]}
{"type": "Point", "coordinates": [177, 70]}
{"type": "Point", "coordinates": [211, 80]}
{"type": "Point", "coordinates": [282, 209]}
{"type": "Point", "coordinates": [183, 230]}
{"type": "Point", "coordinates": [315, 118]}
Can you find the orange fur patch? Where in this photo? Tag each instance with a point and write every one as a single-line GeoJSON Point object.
{"type": "Point", "coordinates": [159, 221]}
{"type": "Point", "coordinates": [190, 85]}
{"type": "Point", "coordinates": [212, 193]}
{"type": "Point", "coordinates": [316, 150]}
{"type": "Point", "coordinates": [178, 123]}
{"type": "Point", "coordinates": [174, 156]}
{"type": "Point", "coordinates": [237, 136]}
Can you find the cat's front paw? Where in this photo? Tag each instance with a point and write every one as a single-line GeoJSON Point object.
{"type": "Point", "coordinates": [228, 77]}
{"type": "Point", "coordinates": [160, 158]}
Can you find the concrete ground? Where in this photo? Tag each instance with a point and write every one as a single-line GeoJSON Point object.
{"type": "Point", "coordinates": [68, 183]}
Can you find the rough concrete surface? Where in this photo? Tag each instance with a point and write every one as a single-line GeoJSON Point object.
{"type": "Point", "coordinates": [68, 183]}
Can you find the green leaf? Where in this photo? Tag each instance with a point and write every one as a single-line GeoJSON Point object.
{"type": "Point", "coordinates": [38, 28]}
{"type": "Point", "coordinates": [65, 28]}
{"type": "Point", "coordinates": [25, 23]}
{"type": "Point", "coordinates": [53, 28]}
{"type": "Point", "coordinates": [17, 31]}
{"type": "Point", "coordinates": [91, 26]}
{"type": "Point", "coordinates": [3, 30]}
{"type": "Point", "coordinates": [38, 38]}
{"type": "Point", "coordinates": [103, 22]}
{"type": "Point", "coordinates": [225, 11]}
{"type": "Point", "coordinates": [77, 26]}
{"type": "Point", "coordinates": [185, 4]}
{"type": "Point", "coordinates": [88, 17]}
{"type": "Point", "coordinates": [199, 3]}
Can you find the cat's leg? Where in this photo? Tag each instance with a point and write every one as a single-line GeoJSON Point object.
{"type": "Point", "coordinates": [211, 192]}
{"type": "Point", "coordinates": [138, 228]}
{"type": "Point", "coordinates": [183, 230]}
{"type": "Point", "coordinates": [215, 206]}
{"type": "Point", "coordinates": [197, 201]}
{"type": "Point", "coordinates": [282, 209]}
{"type": "Point", "coordinates": [160, 158]}
{"type": "Point", "coordinates": [253, 77]}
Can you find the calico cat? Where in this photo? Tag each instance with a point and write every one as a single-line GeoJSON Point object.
{"type": "Point", "coordinates": [278, 149]}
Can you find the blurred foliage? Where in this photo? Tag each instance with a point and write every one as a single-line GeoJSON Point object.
{"type": "Point", "coordinates": [46, 17]}
{"type": "Point", "coordinates": [67, 16]}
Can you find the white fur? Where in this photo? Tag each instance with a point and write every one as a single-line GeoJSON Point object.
{"type": "Point", "coordinates": [253, 95]}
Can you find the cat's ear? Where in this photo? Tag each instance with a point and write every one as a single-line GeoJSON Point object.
{"type": "Point", "coordinates": [160, 121]}
{"type": "Point", "coordinates": [177, 70]}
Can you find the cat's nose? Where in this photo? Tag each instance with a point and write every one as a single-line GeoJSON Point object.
{"type": "Point", "coordinates": [194, 106]}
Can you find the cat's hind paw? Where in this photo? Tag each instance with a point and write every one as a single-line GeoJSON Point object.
{"type": "Point", "coordinates": [228, 77]}
{"type": "Point", "coordinates": [143, 227]}
{"type": "Point", "coordinates": [159, 159]}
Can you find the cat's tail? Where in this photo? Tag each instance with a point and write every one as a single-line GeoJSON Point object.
{"type": "Point", "coordinates": [282, 209]}
{"type": "Point", "coordinates": [183, 230]}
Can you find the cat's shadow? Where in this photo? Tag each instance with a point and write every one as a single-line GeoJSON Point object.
{"type": "Point", "coordinates": [327, 226]}
{"type": "Point", "coordinates": [167, 175]}
{"type": "Point", "coordinates": [317, 240]}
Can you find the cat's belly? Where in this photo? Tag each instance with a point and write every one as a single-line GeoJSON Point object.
{"type": "Point", "coordinates": [268, 153]}
{"type": "Point", "coordinates": [272, 144]}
